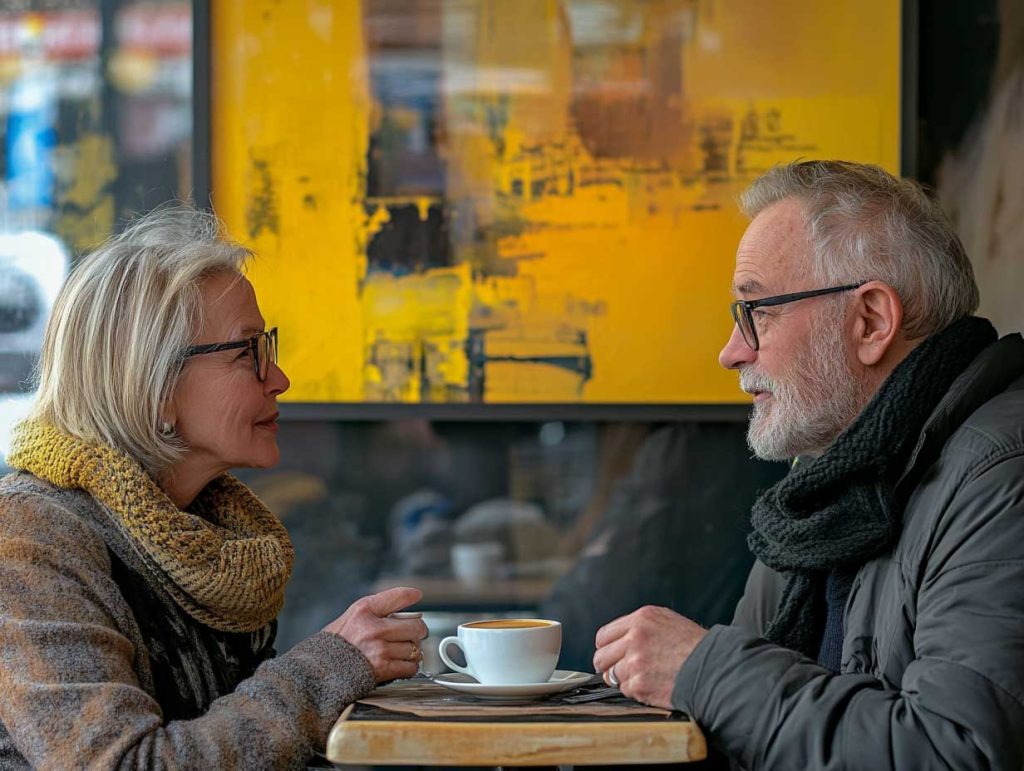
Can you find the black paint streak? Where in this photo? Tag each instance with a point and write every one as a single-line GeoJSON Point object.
{"type": "Point", "coordinates": [261, 214]}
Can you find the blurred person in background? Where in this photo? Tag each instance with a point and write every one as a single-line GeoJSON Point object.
{"type": "Point", "coordinates": [667, 525]}
{"type": "Point", "coordinates": [139, 581]}
{"type": "Point", "coordinates": [882, 625]}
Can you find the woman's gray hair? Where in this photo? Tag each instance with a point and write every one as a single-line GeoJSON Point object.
{"type": "Point", "coordinates": [112, 353]}
{"type": "Point", "coordinates": [866, 224]}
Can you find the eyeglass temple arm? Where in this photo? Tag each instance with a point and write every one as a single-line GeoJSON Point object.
{"type": "Point", "coordinates": [782, 299]}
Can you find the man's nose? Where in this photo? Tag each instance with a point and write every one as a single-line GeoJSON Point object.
{"type": "Point", "coordinates": [736, 352]}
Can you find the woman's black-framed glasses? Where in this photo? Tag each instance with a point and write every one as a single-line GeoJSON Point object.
{"type": "Point", "coordinates": [262, 347]}
{"type": "Point", "coordinates": [743, 310]}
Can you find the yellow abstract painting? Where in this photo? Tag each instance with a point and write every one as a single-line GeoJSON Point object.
{"type": "Point", "coordinates": [488, 201]}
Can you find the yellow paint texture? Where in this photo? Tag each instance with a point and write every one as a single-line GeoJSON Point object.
{"type": "Point", "coordinates": [599, 179]}
{"type": "Point", "coordinates": [413, 319]}
{"type": "Point", "coordinates": [290, 127]}
{"type": "Point", "coordinates": [87, 202]}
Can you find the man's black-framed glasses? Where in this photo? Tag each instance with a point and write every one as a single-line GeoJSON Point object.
{"type": "Point", "coordinates": [743, 310]}
{"type": "Point", "coordinates": [262, 348]}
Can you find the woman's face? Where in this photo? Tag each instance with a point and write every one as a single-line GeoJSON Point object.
{"type": "Point", "coordinates": [225, 415]}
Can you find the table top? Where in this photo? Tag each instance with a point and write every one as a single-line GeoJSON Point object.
{"type": "Point", "coordinates": [415, 722]}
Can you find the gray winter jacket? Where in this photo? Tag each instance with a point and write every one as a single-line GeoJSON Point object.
{"type": "Point", "coordinates": [933, 653]}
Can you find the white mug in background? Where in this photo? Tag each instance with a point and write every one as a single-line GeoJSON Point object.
{"type": "Point", "coordinates": [507, 651]}
{"type": "Point", "coordinates": [474, 563]}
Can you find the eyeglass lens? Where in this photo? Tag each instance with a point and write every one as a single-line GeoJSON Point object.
{"type": "Point", "coordinates": [744, 320]}
{"type": "Point", "coordinates": [266, 351]}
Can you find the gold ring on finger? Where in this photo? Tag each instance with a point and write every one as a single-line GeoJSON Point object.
{"type": "Point", "coordinates": [414, 652]}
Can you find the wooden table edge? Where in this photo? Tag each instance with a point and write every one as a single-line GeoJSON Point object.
{"type": "Point", "coordinates": [411, 742]}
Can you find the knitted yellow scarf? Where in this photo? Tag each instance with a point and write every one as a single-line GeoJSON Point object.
{"type": "Point", "coordinates": [225, 561]}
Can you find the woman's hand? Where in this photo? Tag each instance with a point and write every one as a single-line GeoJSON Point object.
{"type": "Point", "coordinates": [392, 645]}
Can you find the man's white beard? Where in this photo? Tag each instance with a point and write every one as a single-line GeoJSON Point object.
{"type": "Point", "coordinates": [820, 397]}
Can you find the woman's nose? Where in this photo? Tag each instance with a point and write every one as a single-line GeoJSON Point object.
{"type": "Point", "coordinates": [277, 382]}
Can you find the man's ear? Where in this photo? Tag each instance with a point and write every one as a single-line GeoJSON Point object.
{"type": "Point", "coordinates": [878, 321]}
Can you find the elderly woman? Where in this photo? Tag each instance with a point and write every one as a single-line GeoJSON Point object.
{"type": "Point", "coordinates": [139, 581]}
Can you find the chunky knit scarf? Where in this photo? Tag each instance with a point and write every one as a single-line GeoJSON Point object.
{"type": "Point", "coordinates": [225, 561]}
{"type": "Point", "coordinates": [839, 510]}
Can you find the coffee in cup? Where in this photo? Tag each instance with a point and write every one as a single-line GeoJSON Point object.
{"type": "Point", "coordinates": [507, 651]}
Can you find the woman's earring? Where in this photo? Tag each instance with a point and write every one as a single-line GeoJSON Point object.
{"type": "Point", "coordinates": [166, 428]}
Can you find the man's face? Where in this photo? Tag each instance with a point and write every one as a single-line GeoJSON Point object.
{"type": "Point", "coordinates": [806, 389]}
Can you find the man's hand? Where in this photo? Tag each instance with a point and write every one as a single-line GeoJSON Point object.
{"type": "Point", "coordinates": [647, 648]}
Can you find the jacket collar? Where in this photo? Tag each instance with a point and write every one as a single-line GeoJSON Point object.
{"type": "Point", "coordinates": [991, 373]}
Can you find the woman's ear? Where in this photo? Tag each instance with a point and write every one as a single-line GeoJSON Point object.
{"type": "Point", "coordinates": [167, 419]}
{"type": "Point", "coordinates": [878, 322]}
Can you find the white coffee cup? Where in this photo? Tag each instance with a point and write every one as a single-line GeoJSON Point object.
{"type": "Point", "coordinates": [507, 651]}
{"type": "Point", "coordinates": [474, 563]}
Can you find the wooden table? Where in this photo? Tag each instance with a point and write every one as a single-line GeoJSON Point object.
{"type": "Point", "coordinates": [415, 722]}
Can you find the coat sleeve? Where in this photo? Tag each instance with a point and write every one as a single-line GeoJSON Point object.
{"type": "Point", "coordinates": [70, 698]}
{"type": "Point", "coordinates": [761, 595]}
{"type": "Point", "coordinates": [961, 700]}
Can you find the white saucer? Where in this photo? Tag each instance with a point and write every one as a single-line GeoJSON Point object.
{"type": "Point", "coordinates": [561, 680]}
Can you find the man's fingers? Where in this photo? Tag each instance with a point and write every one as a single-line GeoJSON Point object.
{"type": "Point", "coordinates": [613, 630]}
{"type": "Point", "coordinates": [606, 656]}
{"type": "Point", "coordinates": [617, 669]}
{"type": "Point", "coordinates": [391, 600]}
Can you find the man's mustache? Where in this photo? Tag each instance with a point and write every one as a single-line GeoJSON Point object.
{"type": "Point", "coordinates": [751, 381]}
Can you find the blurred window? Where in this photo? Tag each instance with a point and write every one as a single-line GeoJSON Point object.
{"type": "Point", "coordinates": [95, 123]}
{"type": "Point", "coordinates": [577, 521]}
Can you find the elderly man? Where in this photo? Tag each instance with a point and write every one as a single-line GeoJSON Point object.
{"type": "Point", "coordinates": [882, 626]}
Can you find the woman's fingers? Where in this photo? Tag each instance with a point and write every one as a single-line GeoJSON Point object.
{"type": "Point", "coordinates": [404, 651]}
{"type": "Point", "coordinates": [391, 600]}
{"type": "Point", "coordinates": [395, 670]}
{"type": "Point", "coordinates": [389, 642]}
{"type": "Point", "coordinates": [392, 660]}
{"type": "Point", "coordinates": [394, 630]}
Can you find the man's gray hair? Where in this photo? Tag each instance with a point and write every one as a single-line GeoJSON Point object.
{"type": "Point", "coordinates": [866, 224]}
{"type": "Point", "coordinates": [111, 355]}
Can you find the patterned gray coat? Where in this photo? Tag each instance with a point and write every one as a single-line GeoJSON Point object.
{"type": "Point", "coordinates": [99, 667]}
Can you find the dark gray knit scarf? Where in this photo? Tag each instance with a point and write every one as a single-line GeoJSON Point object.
{"type": "Point", "coordinates": [838, 510]}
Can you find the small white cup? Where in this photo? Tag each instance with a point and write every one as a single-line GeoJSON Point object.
{"type": "Point", "coordinates": [474, 563]}
{"type": "Point", "coordinates": [507, 651]}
